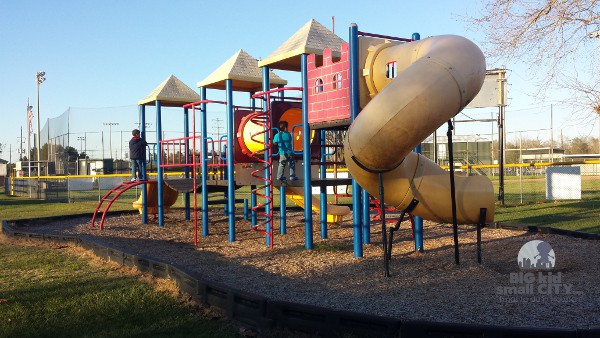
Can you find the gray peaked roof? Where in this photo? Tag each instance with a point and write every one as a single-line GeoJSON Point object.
{"type": "Point", "coordinates": [242, 69]}
{"type": "Point", "coordinates": [171, 93]}
{"type": "Point", "coordinates": [312, 38]}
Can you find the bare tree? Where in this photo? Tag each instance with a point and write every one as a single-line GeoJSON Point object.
{"type": "Point", "coordinates": [553, 37]}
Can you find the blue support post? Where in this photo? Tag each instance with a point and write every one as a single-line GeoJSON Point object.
{"type": "Point", "coordinates": [418, 220]}
{"type": "Point", "coordinates": [230, 178]}
{"type": "Point", "coordinates": [308, 223]}
{"type": "Point", "coordinates": [159, 170]}
{"type": "Point", "coordinates": [246, 209]}
{"type": "Point", "coordinates": [266, 85]}
{"type": "Point", "coordinates": [366, 217]}
{"type": "Point", "coordinates": [186, 133]}
{"type": "Point", "coordinates": [323, 189]}
{"type": "Point", "coordinates": [282, 218]}
{"type": "Point", "coordinates": [144, 188]}
{"type": "Point", "coordinates": [204, 164]}
{"type": "Point", "coordinates": [252, 205]}
{"type": "Point", "coordinates": [354, 110]}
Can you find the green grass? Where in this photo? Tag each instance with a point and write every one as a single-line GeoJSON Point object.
{"type": "Point", "coordinates": [525, 203]}
{"type": "Point", "coordinates": [46, 292]}
{"type": "Point", "coordinates": [571, 215]}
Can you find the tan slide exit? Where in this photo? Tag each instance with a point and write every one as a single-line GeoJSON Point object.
{"type": "Point", "coordinates": [335, 213]}
{"type": "Point", "coordinates": [436, 78]}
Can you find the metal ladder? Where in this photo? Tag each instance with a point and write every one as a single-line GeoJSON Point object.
{"type": "Point", "coordinates": [110, 198]}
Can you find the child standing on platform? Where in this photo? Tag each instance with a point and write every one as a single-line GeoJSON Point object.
{"type": "Point", "coordinates": [137, 154]}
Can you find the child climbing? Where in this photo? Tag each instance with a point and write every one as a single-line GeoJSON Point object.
{"type": "Point", "coordinates": [283, 140]}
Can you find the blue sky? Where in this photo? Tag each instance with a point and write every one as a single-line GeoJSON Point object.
{"type": "Point", "coordinates": [99, 55]}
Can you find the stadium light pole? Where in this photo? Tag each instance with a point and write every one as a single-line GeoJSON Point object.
{"type": "Point", "coordinates": [39, 80]}
{"type": "Point", "coordinates": [81, 139]}
{"type": "Point", "coordinates": [110, 124]}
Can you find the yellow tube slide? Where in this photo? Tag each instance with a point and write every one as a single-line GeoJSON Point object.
{"type": "Point", "coordinates": [437, 77]}
{"type": "Point", "coordinates": [170, 196]}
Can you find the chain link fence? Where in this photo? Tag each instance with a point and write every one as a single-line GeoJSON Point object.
{"type": "Point", "coordinates": [71, 189]}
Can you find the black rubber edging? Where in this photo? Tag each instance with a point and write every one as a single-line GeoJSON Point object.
{"type": "Point", "coordinates": [262, 313]}
{"type": "Point", "coordinates": [544, 230]}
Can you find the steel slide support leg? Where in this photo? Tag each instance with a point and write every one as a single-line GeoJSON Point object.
{"type": "Point", "coordinates": [481, 224]}
{"type": "Point", "coordinates": [453, 193]}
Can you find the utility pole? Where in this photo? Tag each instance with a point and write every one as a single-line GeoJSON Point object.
{"type": "Point", "coordinates": [551, 134]}
{"type": "Point", "coordinates": [218, 127]}
{"type": "Point", "coordinates": [29, 131]}
{"type": "Point", "coordinates": [21, 141]}
{"type": "Point", "coordinates": [110, 124]}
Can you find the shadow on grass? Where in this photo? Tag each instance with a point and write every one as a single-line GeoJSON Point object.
{"type": "Point", "coordinates": [20, 201]}
{"type": "Point", "coordinates": [99, 306]}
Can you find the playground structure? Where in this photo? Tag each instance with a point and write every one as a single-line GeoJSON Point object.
{"type": "Point", "coordinates": [388, 93]}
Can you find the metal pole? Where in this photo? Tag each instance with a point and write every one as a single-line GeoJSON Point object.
{"type": "Point", "coordinates": [204, 159]}
{"type": "Point", "coordinates": [521, 168]}
{"type": "Point", "coordinates": [453, 192]}
{"type": "Point", "coordinates": [110, 124]}
{"type": "Point", "coordinates": [323, 189]}
{"type": "Point", "coordinates": [551, 134]}
{"type": "Point", "coordinates": [40, 79]}
{"type": "Point", "coordinates": [230, 168]}
{"type": "Point", "coordinates": [28, 139]}
{"type": "Point", "coordinates": [308, 223]}
{"type": "Point", "coordinates": [354, 110]}
{"type": "Point", "coordinates": [418, 220]}
{"type": "Point", "coordinates": [159, 169]}
{"type": "Point", "coordinates": [268, 171]}
{"type": "Point", "coordinates": [144, 171]}
{"type": "Point", "coordinates": [186, 154]}
{"type": "Point", "coordinates": [501, 134]}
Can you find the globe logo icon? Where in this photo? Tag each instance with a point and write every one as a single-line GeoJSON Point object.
{"type": "Point", "coordinates": [536, 255]}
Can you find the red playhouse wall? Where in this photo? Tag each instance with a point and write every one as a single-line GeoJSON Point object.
{"type": "Point", "coordinates": [331, 104]}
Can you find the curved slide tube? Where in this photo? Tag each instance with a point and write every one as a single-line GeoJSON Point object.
{"type": "Point", "coordinates": [437, 77]}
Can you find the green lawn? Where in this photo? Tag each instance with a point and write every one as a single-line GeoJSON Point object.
{"type": "Point", "coordinates": [525, 203]}
{"type": "Point", "coordinates": [572, 215]}
{"type": "Point", "coordinates": [46, 292]}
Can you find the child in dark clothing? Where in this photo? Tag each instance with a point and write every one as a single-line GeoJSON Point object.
{"type": "Point", "coordinates": [137, 154]}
